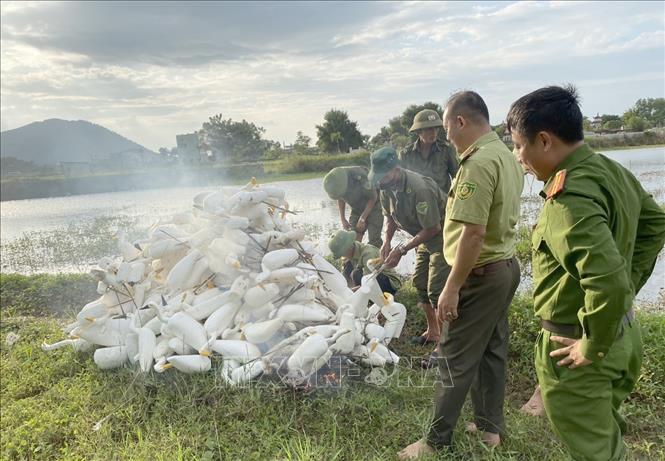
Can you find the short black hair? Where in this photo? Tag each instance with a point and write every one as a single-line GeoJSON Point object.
{"type": "Point", "coordinates": [469, 105]}
{"type": "Point", "coordinates": [553, 108]}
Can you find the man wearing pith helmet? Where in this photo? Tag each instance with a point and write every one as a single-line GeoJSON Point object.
{"type": "Point", "coordinates": [427, 156]}
{"type": "Point", "coordinates": [349, 185]}
{"type": "Point", "coordinates": [361, 259]}
{"type": "Point", "coordinates": [413, 203]}
{"type": "Point", "coordinates": [594, 246]}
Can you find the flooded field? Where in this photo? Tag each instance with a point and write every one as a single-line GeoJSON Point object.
{"type": "Point", "coordinates": [69, 234]}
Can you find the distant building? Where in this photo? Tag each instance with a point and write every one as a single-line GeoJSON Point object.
{"type": "Point", "coordinates": [188, 148]}
{"type": "Point", "coordinates": [597, 122]}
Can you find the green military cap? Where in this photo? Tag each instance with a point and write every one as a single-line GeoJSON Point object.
{"type": "Point", "coordinates": [426, 118]}
{"type": "Point", "coordinates": [341, 242]}
{"type": "Point", "coordinates": [335, 183]}
{"type": "Point", "coordinates": [382, 161]}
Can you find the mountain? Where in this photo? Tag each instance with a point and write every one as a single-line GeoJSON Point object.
{"type": "Point", "coordinates": [55, 140]}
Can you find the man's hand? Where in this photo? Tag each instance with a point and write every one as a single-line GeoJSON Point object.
{"type": "Point", "coordinates": [447, 305]}
{"type": "Point", "coordinates": [571, 355]}
{"type": "Point", "coordinates": [361, 226]}
{"type": "Point", "coordinates": [345, 224]}
{"type": "Point", "coordinates": [393, 257]}
{"type": "Point", "coordinates": [385, 250]}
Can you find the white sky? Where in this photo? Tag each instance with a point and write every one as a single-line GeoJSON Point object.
{"type": "Point", "coordinates": [152, 70]}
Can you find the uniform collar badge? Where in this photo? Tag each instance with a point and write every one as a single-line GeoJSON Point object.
{"type": "Point", "coordinates": [557, 184]}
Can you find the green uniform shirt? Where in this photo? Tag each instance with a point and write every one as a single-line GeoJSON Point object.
{"type": "Point", "coordinates": [441, 165]}
{"type": "Point", "coordinates": [416, 204]}
{"type": "Point", "coordinates": [358, 190]}
{"type": "Point", "coordinates": [363, 252]}
{"type": "Point", "coordinates": [485, 191]}
{"type": "Point", "coordinates": [594, 247]}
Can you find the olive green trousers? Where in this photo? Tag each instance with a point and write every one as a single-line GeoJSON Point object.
{"type": "Point", "coordinates": [473, 353]}
{"type": "Point", "coordinates": [374, 225]}
{"type": "Point", "coordinates": [431, 271]}
{"type": "Point", "coordinates": [582, 404]}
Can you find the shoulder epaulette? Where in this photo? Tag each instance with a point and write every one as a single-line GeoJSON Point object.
{"type": "Point", "coordinates": [469, 153]}
{"type": "Point", "coordinates": [557, 184]}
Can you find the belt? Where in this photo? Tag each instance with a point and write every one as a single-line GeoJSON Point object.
{"type": "Point", "coordinates": [576, 331]}
{"type": "Point", "coordinates": [489, 267]}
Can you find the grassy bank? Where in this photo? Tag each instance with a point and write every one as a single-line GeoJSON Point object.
{"type": "Point", "coordinates": [52, 402]}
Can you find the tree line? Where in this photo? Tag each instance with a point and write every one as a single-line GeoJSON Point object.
{"type": "Point", "coordinates": [229, 141]}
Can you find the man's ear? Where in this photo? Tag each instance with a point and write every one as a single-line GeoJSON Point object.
{"type": "Point", "coordinates": [460, 121]}
{"type": "Point", "coordinates": [545, 139]}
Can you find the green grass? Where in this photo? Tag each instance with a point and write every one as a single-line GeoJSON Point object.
{"type": "Point", "coordinates": [52, 401]}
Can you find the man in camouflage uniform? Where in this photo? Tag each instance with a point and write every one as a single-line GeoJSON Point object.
{"type": "Point", "coordinates": [594, 246]}
{"type": "Point", "coordinates": [414, 204]}
{"type": "Point", "coordinates": [357, 256]}
{"type": "Point", "coordinates": [349, 185]}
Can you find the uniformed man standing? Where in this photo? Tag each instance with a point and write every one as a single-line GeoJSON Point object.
{"type": "Point", "coordinates": [426, 156]}
{"type": "Point", "coordinates": [479, 243]}
{"type": "Point", "coordinates": [594, 246]}
{"type": "Point", "coordinates": [414, 204]}
{"type": "Point", "coordinates": [349, 185]}
{"type": "Point", "coordinates": [358, 258]}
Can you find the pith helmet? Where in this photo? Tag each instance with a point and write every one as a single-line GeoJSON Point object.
{"type": "Point", "coordinates": [341, 242]}
{"type": "Point", "coordinates": [426, 118]}
{"type": "Point", "coordinates": [382, 161]}
{"type": "Point", "coordinates": [335, 183]}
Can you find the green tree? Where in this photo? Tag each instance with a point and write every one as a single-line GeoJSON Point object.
{"type": "Point", "coordinates": [301, 146]}
{"type": "Point", "coordinates": [636, 123]}
{"type": "Point", "coordinates": [12, 166]}
{"type": "Point", "coordinates": [651, 110]}
{"type": "Point", "coordinates": [500, 129]}
{"type": "Point", "coordinates": [586, 123]}
{"type": "Point", "coordinates": [232, 141]}
{"type": "Point", "coordinates": [338, 133]}
{"type": "Point", "coordinates": [614, 124]}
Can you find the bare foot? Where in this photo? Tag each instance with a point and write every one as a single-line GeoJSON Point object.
{"type": "Point", "coordinates": [534, 406]}
{"type": "Point", "coordinates": [490, 439]}
{"type": "Point", "coordinates": [416, 450]}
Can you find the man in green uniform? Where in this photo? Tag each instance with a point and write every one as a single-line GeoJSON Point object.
{"type": "Point", "coordinates": [426, 156]}
{"type": "Point", "coordinates": [480, 237]}
{"type": "Point", "coordinates": [358, 261]}
{"type": "Point", "coordinates": [594, 246]}
{"type": "Point", "coordinates": [349, 185]}
{"type": "Point", "coordinates": [414, 204]}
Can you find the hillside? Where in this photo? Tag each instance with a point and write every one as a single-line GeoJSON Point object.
{"type": "Point", "coordinates": [55, 140]}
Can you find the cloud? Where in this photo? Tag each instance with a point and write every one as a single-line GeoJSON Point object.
{"type": "Point", "coordinates": [151, 70]}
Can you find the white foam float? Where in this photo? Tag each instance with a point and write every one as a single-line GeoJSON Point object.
{"type": "Point", "coordinates": [233, 279]}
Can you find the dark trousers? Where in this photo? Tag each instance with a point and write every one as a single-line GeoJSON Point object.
{"type": "Point", "coordinates": [354, 276]}
{"type": "Point", "coordinates": [473, 352]}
